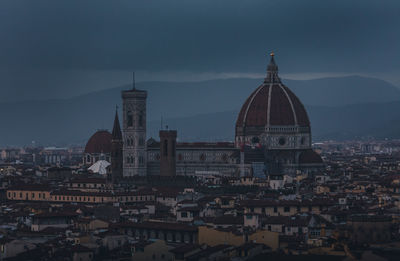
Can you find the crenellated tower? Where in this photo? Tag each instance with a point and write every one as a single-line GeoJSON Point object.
{"type": "Point", "coordinates": [168, 152]}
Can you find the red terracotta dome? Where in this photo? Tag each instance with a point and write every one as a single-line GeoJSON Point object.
{"type": "Point", "coordinates": [100, 142]}
{"type": "Point", "coordinates": [272, 104]}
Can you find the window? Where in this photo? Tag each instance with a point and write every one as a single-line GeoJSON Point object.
{"type": "Point", "coordinates": [129, 119]}
{"type": "Point", "coordinates": [286, 209]}
{"type": "Point", "coordinates": [275, 209]}
{"type": "Point", "coordinates": [141, 160]}
{"type": "Point", "coordinates": [184, 214]}
{"type": "Point", "coordinates": [165, 147]}
{"type": "Point", "coordinates": [141, 120]}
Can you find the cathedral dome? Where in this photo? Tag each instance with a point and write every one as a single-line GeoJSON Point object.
{"type": "Point", "coordinates": [100, 142]}
{"type": "Point", "coordinates": [272, 104]}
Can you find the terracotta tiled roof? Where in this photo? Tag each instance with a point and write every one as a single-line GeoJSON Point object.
{"type": "Point", "coordinates": [274, 105]}
{"type": "Point", "coordinates": [158, 226]}
{"type": "Point", "coordinates": [309, 157]}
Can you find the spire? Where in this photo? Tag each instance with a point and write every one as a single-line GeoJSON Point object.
{"type": "Point", "coordinates": [116, 132]}
{"type": "Point", "coordinates": [272, 71]}
{"type": "Point", "coordinates": [133, 81]}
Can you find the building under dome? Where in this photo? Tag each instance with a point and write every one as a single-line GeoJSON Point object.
{"type": "Point", "coordinates": [98, 147]}
{"type": "Point", "coordinates": [272, 137]}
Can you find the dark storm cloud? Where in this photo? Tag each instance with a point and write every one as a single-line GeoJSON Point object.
{"type": "Point", "coordinates": [204, 35]}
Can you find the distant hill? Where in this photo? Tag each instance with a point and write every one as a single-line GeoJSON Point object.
{"type": "Point", "coordinates": [344, 91]}
{"type": "Point", "coordinates": [343, 107]}
{"type": "Point", "coordinates": [379, 120]}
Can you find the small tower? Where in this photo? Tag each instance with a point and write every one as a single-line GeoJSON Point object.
{"type": "Point", "coordinates": [272, 71]}
{"type": "Point", "coordinates": [116, 150]}
{"type": "Point", "coordinates": [134, 132]}
{"type": "Point", "coordinates": [168, 152]}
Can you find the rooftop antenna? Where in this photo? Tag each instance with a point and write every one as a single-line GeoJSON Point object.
{"type": "Point", "coordinates": [161, 123]}
{"type": "Point", "coordinates": [133, 81]}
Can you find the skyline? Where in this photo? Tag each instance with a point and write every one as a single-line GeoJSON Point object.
{"type": "Point", "coordinates": [199, 130]}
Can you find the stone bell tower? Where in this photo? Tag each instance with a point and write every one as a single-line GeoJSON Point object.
{"type": "Point", "coordinates": [134, 132]}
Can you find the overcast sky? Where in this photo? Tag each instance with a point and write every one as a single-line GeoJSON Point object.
{"type": "Point", "coordinates": [51, 49]}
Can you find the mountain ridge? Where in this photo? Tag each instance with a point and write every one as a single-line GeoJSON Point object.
{"type": "Point", "coordinates": [74, 120]}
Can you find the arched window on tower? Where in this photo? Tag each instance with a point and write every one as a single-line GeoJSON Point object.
{"type": "Point", "coordinates": [129, 119]}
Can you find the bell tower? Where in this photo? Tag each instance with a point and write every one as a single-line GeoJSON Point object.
{"type": "Point", "coordinates": [134, 131]}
